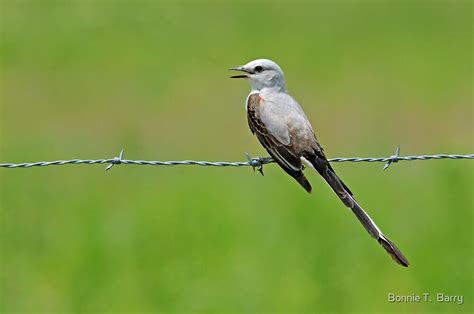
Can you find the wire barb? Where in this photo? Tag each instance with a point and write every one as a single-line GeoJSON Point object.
{"type": "Point", "coordinates": [115, 161]}
{"type": "Point", "coordinates": [393, 158]}
{"type": "Point", "coordinates": [257, 162]}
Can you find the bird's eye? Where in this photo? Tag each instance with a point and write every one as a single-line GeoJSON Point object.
{"type": "Point", "coordinates": [258, 69]}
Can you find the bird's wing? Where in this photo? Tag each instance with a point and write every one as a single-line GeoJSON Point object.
{"type": "Point", "coordinates": [278, 143]}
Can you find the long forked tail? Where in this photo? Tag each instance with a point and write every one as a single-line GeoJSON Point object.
{"type": "Point", "coordinates": [326, 171]}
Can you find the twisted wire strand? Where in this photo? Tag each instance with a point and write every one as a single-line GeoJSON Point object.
{"type": "Point", "coordinates": [257, 162]}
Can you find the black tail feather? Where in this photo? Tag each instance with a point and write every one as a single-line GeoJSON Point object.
{"type": "Point", "coordinates": [393, 251]}
{"type": "Point", "coordinates": [325, 170]}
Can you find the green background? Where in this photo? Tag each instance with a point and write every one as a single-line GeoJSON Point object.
{"type": "Point", "coordinates": [84, 79]}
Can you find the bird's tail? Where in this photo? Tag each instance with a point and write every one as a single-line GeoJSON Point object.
{"type": "Point", "coordinates": [343, 192]}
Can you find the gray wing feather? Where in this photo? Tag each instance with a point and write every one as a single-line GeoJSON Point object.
{"type": "Point", "coordinates": [273, 134]}
{"type": "Point", "coordinates": [276, 140]}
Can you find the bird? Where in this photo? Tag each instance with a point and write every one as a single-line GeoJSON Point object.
{"type": "Point", "coordinates": [284, 130]}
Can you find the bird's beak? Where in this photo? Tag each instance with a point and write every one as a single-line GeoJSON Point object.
{"type": "Point", "coordinates": [239, 69]}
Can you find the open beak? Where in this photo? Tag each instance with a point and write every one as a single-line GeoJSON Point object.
{"type": "Point", "coordinates": [239, 69]}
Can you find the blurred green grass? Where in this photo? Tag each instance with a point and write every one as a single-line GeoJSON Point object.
{"type": "Point", "coordinates": [82, 79]}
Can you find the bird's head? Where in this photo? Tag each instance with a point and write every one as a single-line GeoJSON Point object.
{"type": "Point", "coordinates": [262, 73]}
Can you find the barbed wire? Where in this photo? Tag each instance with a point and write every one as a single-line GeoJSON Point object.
{"type": "Point", "coordinates": [254, 162]}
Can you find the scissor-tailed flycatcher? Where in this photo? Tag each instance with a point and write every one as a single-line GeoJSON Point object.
{"type": "Point", "coordinates": [283, 129]}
